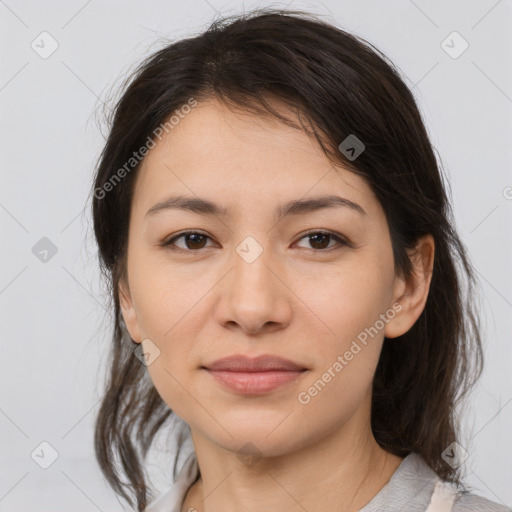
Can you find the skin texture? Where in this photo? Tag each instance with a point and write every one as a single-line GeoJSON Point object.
{"type": "Point", "coordinates": [299, 300]}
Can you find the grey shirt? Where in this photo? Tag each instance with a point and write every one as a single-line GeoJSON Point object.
{"type": "Point", "coordinates": [409, 489]}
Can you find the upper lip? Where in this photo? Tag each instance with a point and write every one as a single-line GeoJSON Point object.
{"type": "Point", "coordinates": [240, 363]}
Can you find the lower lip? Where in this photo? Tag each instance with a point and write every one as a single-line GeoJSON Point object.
{"type": "Point", "coordinates": [254, 383]}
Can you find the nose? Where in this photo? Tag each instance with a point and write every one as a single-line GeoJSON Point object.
{"type": "Point", "coordinates": [254, 296]}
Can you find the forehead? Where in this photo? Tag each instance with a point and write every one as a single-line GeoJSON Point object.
{"type": "Point", "coordinates": [231, 155]}
{"type": "Point", "coordinates": [212, 129]}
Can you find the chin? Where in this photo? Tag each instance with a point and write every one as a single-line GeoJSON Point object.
{"type": "Point", "coordinates": [262, 435]}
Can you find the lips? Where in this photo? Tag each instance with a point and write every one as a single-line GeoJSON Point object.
{"type": "Point", "coordinates": [254, 376]}
{"type": "Point", "coordinates": [256, 364]}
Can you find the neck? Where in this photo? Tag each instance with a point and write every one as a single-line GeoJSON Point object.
{"type": "Point", "coordinates": [342, 471]}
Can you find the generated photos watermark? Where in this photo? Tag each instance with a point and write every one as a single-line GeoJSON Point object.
{"type": "Point", "coordinates": [305, 397]}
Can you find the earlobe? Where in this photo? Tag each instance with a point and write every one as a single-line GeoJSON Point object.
{"type": "Point", "coordinates": [411, 293]}
{"type": "Point", "coordinates": [129, 313]}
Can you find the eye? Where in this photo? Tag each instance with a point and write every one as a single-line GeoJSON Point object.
{"type": "Point", "coordinates": [193, 240]}
{"type": "Point", "coordinates": [319, 240]}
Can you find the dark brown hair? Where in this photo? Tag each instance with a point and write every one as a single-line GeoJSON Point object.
{"type": "Point", "coordinates": [337, 84]}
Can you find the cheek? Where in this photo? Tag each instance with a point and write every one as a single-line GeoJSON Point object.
{"type": "Point", "coordinates": [167, 298]}
{"type": "Point", "coordinates": [170, 310]}
{"type": "Point", "coordinates": [349, 334]}
{"type": "Point", "coordinates": [346, 302]}
{"type": "Point", "coordinates": [347, 350]}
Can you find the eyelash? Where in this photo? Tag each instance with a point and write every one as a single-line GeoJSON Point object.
{"type": "Point", "coordinates": [169, 244]}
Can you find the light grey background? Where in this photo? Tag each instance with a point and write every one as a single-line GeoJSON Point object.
{"type": "Point", "coordinates": [54, 327]}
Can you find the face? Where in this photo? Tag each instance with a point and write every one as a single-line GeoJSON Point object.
{"type": "Point", "coordinates": [256, 277]}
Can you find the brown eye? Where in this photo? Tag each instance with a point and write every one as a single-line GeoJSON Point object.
{"type": "Point", "coordinates": [319, 240]}
{"type": "Point", "coordinates": [193, 241]}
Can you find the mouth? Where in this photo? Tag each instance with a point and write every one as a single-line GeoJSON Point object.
{"type": "Point", "coordinates": [254, 376]}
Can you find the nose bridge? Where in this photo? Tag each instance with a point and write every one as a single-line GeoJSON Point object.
{"type": "Point", "coordinates": [253, 296]}
{"type": "Point", "coordinates": [251, 268]}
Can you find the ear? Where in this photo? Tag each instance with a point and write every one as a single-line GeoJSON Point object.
{"type": "Point", "coordinates": [411, 294]}
{"type": "Point", "coordinates": [128, 311]}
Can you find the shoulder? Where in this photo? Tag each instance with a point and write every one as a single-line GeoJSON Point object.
{"type": "Point", "coordinates": [414, 486]}
{"type": "Point", "coordinates": [468, 502]}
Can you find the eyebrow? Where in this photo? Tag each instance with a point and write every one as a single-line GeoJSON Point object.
{"type": "Point", "coordinates": [203, 206]}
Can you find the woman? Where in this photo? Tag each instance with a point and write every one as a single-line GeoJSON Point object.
{"type": "Point", "coordinates": [283, 263]}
